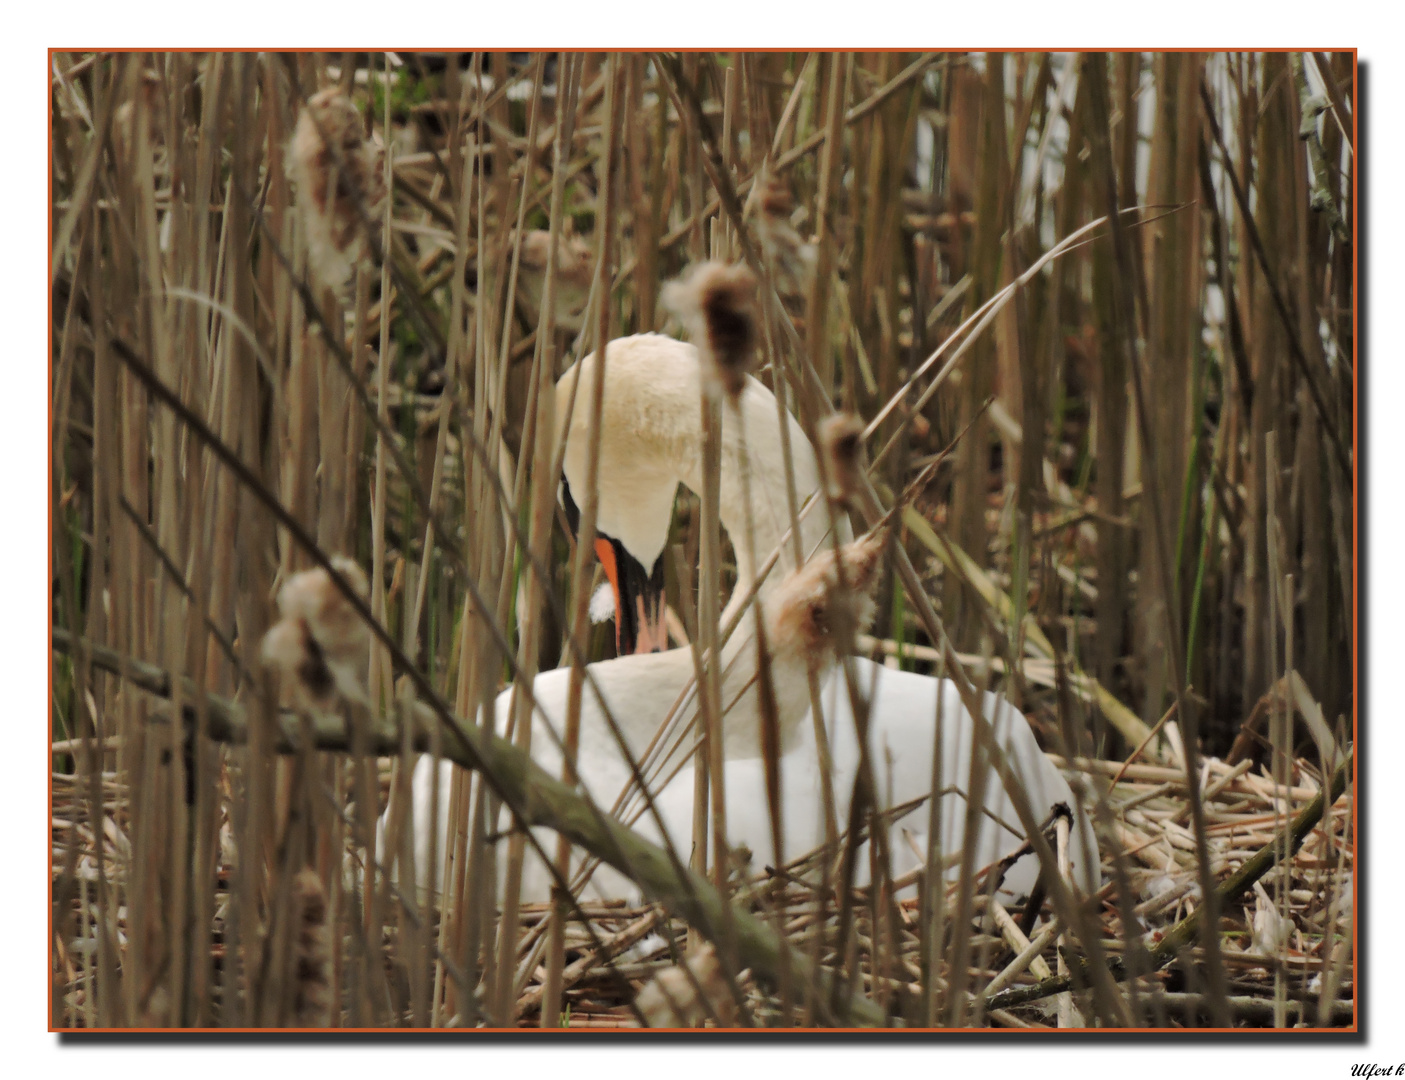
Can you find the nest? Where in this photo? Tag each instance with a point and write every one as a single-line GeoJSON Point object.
{"type": "Point", "coordinates": [1301, 976]}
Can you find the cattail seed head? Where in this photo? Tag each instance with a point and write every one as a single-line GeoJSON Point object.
{"type": "Point", "coordinates": [789, 260]}
{"type": "Point", "coordinates": [319, 646]}
{"type": "Point", "coordinates": [841, 450]}
{"type": "Point", "coordinates": [334, 169]}
{"type": "Point", "coordinates": [335, 624]}
{"type": "Point", "coordinates": [817, 607]}
{"type": "Point", "coordinates": [776, 200]}
{"type": "Point", "coordinates": [717, 305]}
{"type": "Point", "coordinates": [312, 989]}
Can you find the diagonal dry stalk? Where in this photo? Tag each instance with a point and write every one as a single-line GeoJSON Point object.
{"type": "Point", "coordinates": [551, 997]}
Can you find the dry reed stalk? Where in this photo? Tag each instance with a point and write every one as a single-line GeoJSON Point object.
{"type": "Point", "coordinates": [835, 83]}
{"type": "Point", "coordinates": [709, 820]}
{"type": "Point", "coordinates": [539, 447]}
{"type": "Point", "coordinates": [590, 502]}
{"type": "Point", "coordinates": [1174, 275]}
{"type": "Point", "coordinates": [990, 171]}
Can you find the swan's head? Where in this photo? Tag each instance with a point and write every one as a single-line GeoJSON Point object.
{"type": "Point", "coordinates": [828, 599]}
{"type": "Point", "coordinates": [648, 435]}
{"type": "Point", "coordinates": [636, 587]}
{"type": "Point", "coordinates": [649, 441]}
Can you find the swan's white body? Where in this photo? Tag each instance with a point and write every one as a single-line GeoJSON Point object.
{"type": "Point", "coordinates": [903, 720]}
{"type": "Point", "coordinates": [652, 443]}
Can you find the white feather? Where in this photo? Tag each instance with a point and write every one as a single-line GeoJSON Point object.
{"type": "Point", "coordinates": [602, 604]}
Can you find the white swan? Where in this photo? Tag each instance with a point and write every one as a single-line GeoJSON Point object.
{"type": "Point", "coordinates": [905, 709]}
{"type": "Point", "coordinates": [651, 443]}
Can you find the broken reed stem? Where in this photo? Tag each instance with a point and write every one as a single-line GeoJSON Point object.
{"type": "Point", "coordinates": [590, 500]}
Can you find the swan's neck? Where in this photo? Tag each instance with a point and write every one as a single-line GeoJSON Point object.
{"type": "Point", "coordinates": [754, 508]}
{"type": "Point", "coordinates": [756, 492]}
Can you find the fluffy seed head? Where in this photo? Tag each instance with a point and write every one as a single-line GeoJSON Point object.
{"type": "Point", "coordinates": [812, 609]}
{"type": "Point", "coordinates": [790, 261]}
{"type": "Point", "coordinates": [334, 168]}
{"type": "Point", "coordinates": [320, 644]}
{"type": "Point", "coordinates": [312, 988]}
{"type": "Point", "coordinates": [841, 449]}
{"type": "Point", "coordinates": [717, 305]}
{"type": "Point", "coordinates": [333, 622]}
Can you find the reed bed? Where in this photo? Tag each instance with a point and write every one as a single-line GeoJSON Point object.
{"type": "Point", "coordinates": [309, 310]}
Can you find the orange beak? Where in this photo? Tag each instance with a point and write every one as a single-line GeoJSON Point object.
{"type": "Point", "coordinates": [605, 552]}
{"type": "Point", "coordinates": [642, 630]}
